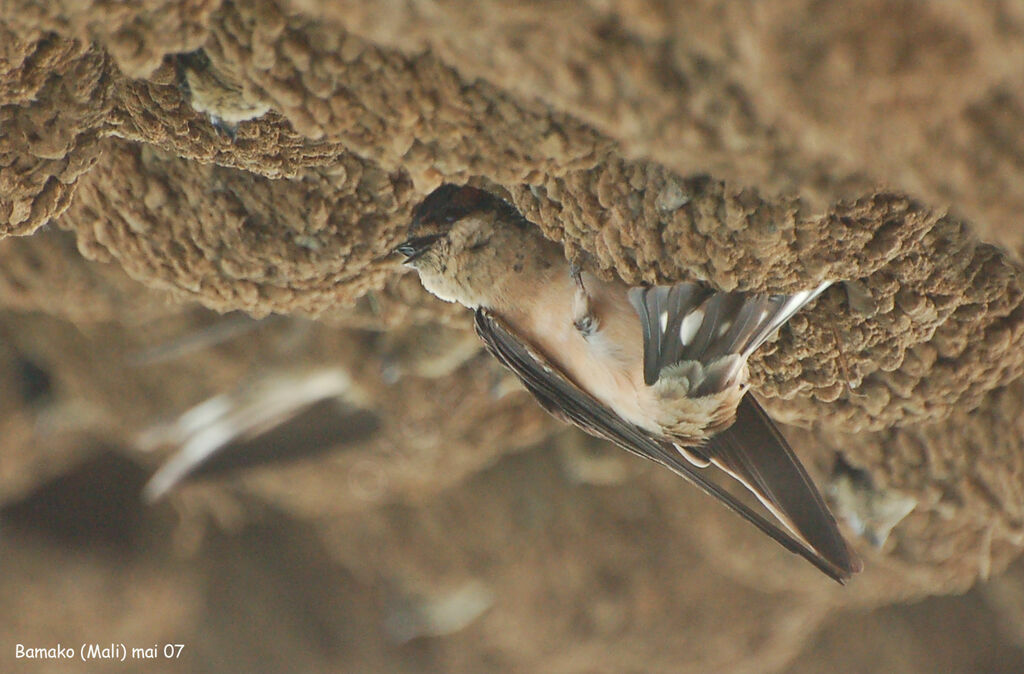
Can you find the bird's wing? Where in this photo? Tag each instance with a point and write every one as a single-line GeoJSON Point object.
{"type": "Point", "coordinates": [690, 322]}
{"type": "Point", "coordinates": [568, 402]}
{"type": "Point", "coordinates": [754, 452]}
{"type": "Point", "coordinates": [280, 419]}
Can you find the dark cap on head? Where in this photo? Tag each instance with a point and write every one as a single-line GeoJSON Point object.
{"type": "Point", "coordinates": [450, 203]}
{"type": "Point", "coordinates": [444, 206]}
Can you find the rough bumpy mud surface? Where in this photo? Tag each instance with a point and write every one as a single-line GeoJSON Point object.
{"type": "Point", "coordinates": [166, 162]}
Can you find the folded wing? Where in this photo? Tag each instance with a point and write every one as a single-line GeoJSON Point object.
{"type": "Point", "coordinates": [566, 401]}
{"type": "Point", "coordinates": [754, 452]}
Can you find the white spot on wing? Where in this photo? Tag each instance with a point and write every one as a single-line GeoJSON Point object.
{"type": "Point", "coordinates": [664, 320]}
{"type": "Point", "coordinates": [690, 325]}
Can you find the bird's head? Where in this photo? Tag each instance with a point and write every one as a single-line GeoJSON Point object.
{"type": "Point", "coordinates": [457, 240]}
{"type": "Point", "coordinates": [448, 222]}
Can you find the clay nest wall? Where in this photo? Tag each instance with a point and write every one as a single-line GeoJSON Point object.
{"type": "Point", "coordinates": [164, 162]}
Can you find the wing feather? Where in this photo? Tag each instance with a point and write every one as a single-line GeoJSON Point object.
{"type": "Point", "coordinates": [754, 452]}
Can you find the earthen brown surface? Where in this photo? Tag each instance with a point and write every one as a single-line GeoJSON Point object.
{"type": "Point", "coordinates": [147, 187]}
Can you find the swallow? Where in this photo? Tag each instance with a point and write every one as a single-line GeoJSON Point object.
{"type": "Point", "coordinates": [216, 93]}
{"type": "Point", "coordinates": [660, 371]}
{"type": "Point", "coordinates": [870, 510]}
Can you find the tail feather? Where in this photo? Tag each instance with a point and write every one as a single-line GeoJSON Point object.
{"type": "Point", "coordinates": [688, 322]}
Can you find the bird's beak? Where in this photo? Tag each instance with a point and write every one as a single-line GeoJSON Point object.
{"type": "Point", "coordinates": [416, 246]}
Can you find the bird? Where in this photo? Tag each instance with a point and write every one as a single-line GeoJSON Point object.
{"type": "Point", "coordinates": [216, 91]}
{"type": "Point", "coordinates": [659, 370]}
